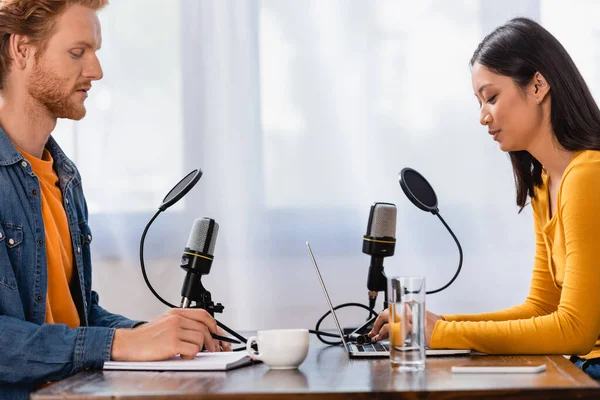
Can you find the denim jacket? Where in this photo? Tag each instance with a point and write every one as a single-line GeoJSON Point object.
{"type": "Point", "coordinates": [31, 351]}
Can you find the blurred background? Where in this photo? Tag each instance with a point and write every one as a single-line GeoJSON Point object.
{"type": "Point", "coordinates": [301, 113]}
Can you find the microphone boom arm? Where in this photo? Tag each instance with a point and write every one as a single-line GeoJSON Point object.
{"type": "Point", "coordinates": [460, 255]}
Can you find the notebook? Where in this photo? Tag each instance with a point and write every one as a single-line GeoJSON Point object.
{"type": "Point", "coordinates": [204, 361]}
{"type": "Point", "coordinates": [376, 349]}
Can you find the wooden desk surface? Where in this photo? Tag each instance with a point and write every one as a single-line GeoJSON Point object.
{"type": "Point", "coordinates": [327, 373]}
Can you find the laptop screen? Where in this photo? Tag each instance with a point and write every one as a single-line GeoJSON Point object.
{"type": "Point", "coordinates": [337, 323]}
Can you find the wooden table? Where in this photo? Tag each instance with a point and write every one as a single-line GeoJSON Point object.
{"type": "Point", "coordinates": [327, 373]}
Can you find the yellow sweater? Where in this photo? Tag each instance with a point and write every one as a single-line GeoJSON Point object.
{"type": "Point", "coordinates": [561, 315]}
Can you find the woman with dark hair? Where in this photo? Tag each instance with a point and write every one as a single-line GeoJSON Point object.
{"type": "Point", "coordinates": [536, 105]}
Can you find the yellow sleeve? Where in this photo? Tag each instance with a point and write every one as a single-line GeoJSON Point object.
{"type": "Point", "coordinates": [571, 329]}
{"type": "Point", "coordinates": [543, 294]}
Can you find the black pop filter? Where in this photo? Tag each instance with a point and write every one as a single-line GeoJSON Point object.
{"type": "Point", "coordinates": [418, 190]}
{"type": "Point", "coordinates": [422, 195]}
{"type": "Point", "coordinates": [181, 189]}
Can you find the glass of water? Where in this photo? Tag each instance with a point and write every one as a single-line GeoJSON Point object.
{"type": "Point", "coordinates": [406, 299]}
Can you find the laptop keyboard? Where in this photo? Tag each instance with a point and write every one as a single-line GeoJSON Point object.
{"type": "Point", "coordinates": [377, 346]}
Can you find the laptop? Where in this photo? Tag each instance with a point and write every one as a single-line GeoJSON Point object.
{"type": "Point", "coordinates": [375, 349]}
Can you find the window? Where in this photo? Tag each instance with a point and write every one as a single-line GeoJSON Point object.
{"type": "Point", "coordinates": [128, 146]}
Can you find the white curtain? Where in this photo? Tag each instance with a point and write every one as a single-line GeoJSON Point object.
{"type": "Point", "coordinates": [301, 113]}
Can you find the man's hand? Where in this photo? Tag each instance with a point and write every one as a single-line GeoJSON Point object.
{"type": "Point", "coordinates": [225, 346]}
{"type": "Point", "coordinates": [381, 327]}
{"type": "Point", "coordinates": [183, 331]}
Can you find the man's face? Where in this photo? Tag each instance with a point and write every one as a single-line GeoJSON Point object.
{"type": "Point", "coordinates": [62, 75]}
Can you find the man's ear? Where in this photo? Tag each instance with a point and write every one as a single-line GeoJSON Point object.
{"type": "Point", "coordinates": [539, 87]}
{"type": "Point", "coordinates": [20, 50]}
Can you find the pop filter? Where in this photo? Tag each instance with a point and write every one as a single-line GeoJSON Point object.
{"type": "Point", "coordinates": [418, 190]}
{"type": "Point", "coordinates": [422, 195]}
{"type": "Point", "coordinates": [181, 189]}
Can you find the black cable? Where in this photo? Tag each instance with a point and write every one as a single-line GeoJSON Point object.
{"type": "Point", "coordinates": [460, 261]}
{"type": "Point", "coordinates": [372, 301]}
{"type": "Point", "coordinates": [309, 331]}
{"type": "Point", "coordinates": [144, 267]}
{"type": "Point", "coordinates": [371, 306]}
{"type": "Point", "coordinates": [335, 335]}
{"type": "Point", "coordinates": [232, 332]}
{"type": "Point", "coordinates": [219, 324]}
{"type": "Point", "coordinates": [319, 334]}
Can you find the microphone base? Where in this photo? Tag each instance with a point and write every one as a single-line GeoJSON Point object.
{"type": "Point", "coordinates": [207, 304]}
{"type": "Point", "coordinates": [193, 291]}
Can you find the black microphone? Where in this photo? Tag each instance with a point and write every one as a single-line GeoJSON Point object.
{"type": "Point", "coordinates": [379, 242]}
{"type": "Point", "coordinates": [196, 261]}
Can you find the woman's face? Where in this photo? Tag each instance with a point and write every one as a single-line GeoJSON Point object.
{"type": "Point", "coordinates": [513, 116]}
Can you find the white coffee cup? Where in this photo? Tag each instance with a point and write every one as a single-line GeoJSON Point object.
{"type": "Point", "coordinates": [280, 348]}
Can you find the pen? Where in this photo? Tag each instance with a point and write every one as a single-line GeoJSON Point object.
{"type": "Point", "coordinates": [224, 338]}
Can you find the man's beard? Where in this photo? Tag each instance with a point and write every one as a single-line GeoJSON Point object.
{"type": "Point", "coordinates": [54, 93]}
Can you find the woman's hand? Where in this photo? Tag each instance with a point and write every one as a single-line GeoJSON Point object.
{"type": "Point", "coordinates": [381, 327]}
{"type": "Point", "coordinates": [430, 324]}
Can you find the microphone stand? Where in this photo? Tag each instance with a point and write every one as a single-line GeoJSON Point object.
{"type": "Point", "coordinates": [382, 284]}
{"type": "Point", "coordinates": [203, 300]}
{"type": "Point", "coordinates": [204, 297]}
{"type": "Point", "coordinates": [358, 334]}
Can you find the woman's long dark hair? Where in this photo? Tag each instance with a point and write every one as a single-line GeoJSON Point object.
{"type": "Point", "coordinates": [519, 49]}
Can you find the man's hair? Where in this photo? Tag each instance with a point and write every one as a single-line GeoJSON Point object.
{"type": "Point", "coordinates": [34, 19]}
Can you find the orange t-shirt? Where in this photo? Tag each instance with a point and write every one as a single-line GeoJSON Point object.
{"type": "Point", "coordinates": [60, 307]}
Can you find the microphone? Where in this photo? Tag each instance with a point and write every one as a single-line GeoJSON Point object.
{"type": "Point", "coordinates": [196, 261]}
{"type": "Point", "coordinates": [379, 242]}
